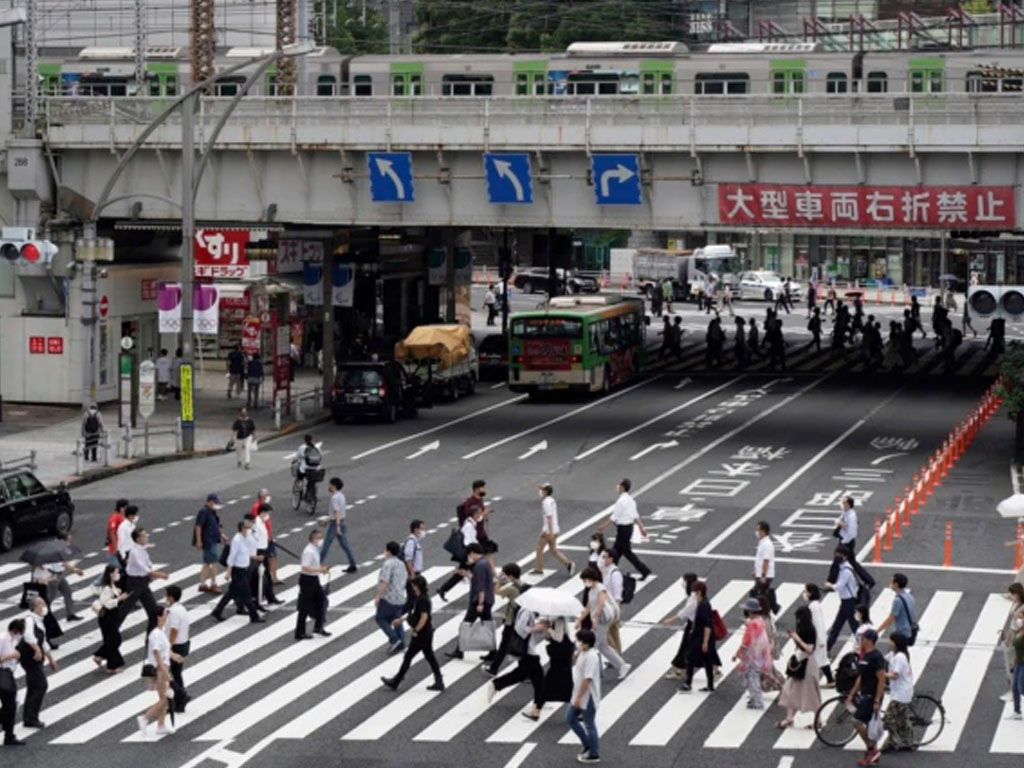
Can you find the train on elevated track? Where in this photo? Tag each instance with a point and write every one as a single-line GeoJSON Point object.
{"type": "Point", "coordinates": [636, 69]}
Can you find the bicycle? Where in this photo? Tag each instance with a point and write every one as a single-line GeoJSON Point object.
{"type": "Point", "coordinates": [304, 489]}
{"type": "Point", "coordinates": [833, 722]}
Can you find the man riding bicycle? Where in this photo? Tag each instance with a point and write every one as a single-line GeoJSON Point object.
{"type": "Point", "coordinates": [308, 457]}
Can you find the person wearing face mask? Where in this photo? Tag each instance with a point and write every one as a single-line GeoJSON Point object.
{"type": "Point", "coordinates": [108, 655]}
{"type": "Point", "coordinates": [602, 611]}
{"type": "Point", "coordinates": [92, 427]}
{"type": "Point", "coordinates": [686, 615]}
{"type": "Point", "coordinates": [412, 557]}
{"type": "Point", "coordinates": [812, 594]}
{"type": "Point", "coordinates": [624, 517]}
{"type": "Point", "coordinates": [581, 713]}
{"type": "Point", "coordinates": [549, 531]}
{"type": "Point", "coordinates": [241, 554]}
{"type": "Point", "coordinates": [899, 719]}
{"type": "Point", "coordinates": [9, 657]}
{"type": "Point", "coordinates": [34, 651]}
{"type": "Point", "coordinates": [311, 592]}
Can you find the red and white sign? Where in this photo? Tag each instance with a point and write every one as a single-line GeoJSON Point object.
{"type": "Point", "coordinates": [251, 336]}
{"type": "Point", "coordinates": [221, 253]}
{"type": "Point", "coordinates": [104, 306]}
{"type": "Point", "coordinates": [55, 345]}
{"type": "Point", "coordinates": [937, 207]}
{"type": "Point", "coordinates": [148, 289]}
{"type": "Point", "coordinates": [37, 345]}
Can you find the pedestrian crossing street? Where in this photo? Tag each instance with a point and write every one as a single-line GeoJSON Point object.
{"type": "Point", "coordinates": [970, 360]}
{"type": "Point", "coordinates": [249, 683]}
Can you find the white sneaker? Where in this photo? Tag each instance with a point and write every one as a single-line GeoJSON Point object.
{"type": "Point", "coordinates": [143, 724]}
{"type": "Point", "coordinates": [624, 671]}
{"type": "Point", "coordinates": [491, 692]}
{"type": "Point", "coordinates": [164, 730]}
{"type": "Point", "coordinates": [1014, 716]}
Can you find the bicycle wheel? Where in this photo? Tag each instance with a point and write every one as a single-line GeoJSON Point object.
{"type": "Point", "coordinates": [928, 717]}
{"type": "Point", "coordinates": [833, 724]}
{"type": "Point", "coordinates": [297, 489]}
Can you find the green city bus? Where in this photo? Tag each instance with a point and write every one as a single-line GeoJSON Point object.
{"type": "Point", "coordinates": [580, 343]}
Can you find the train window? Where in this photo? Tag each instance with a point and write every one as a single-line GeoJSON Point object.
{"type": "Point", "coordinates": [363, 85]}
{"type": "Point", "coordinates": [325, 85]}
{"type": "Point", "coordinates": [398, 85]}
{"type": "Point", "coordinates": [272, 85]}
{"type": "Point", "coordinates": [648, 84]}
{"type": "Point", "coordinates": [721, 83]}
{"type": "Point", "coordinates": [171, 85]}
{"type": "Point", "coordinates": [522, 84]}
{"type": "Point", "coordinates": [836, 82]}
{"type": "Point", "coordinates": [468, 85]}
{"type": "Point", "coordinates": [416, 85]}
{"type": "Point", "coordinates": [926, 80]}
{"type": "Point", "coordinates": [228, 86]}
{"type": "Point", "coordinates": [878, 82]}
{"type": "Point", "coordinates": [666, 83]}
{"type": "Point", "coordinates": [154, 87]}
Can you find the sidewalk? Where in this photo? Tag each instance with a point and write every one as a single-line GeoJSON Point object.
{"type": "Point", "coordinates": [51, 431]}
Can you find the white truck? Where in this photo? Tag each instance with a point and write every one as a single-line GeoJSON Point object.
{"type": "Point", "coordinates": [640, 269]}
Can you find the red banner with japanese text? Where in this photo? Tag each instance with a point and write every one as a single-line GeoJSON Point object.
{"type": "Point", "coordinates": [221, 253]}
{"type": "Point", "coordinates": [932, 207]}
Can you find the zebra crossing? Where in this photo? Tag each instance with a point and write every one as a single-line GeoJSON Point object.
{"type": "Point", "coordinates": [330, 681]}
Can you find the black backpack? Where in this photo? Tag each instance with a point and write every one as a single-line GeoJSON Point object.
{"type": "Point", "coordinates": [92, 423]}
{"type": "Point", "coordinates": [313, 456]}
{"type": "Point", "coordinates": [846, 673]}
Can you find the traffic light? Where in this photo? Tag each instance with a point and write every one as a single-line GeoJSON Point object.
{"type": "Point", "coordinates": [988, 302]}
{"type": "Point", "coordinates": [19, 244]}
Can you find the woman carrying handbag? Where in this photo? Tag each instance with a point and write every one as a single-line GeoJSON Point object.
{"type": "Point", "coordinates": [108, 610]}
{"type": "Point", "coordinates": [800, 692]}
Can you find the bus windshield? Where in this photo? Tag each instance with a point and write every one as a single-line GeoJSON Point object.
{"type": "Point", "coordinates": [547, 328]}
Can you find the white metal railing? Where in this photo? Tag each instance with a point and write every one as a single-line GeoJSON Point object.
{"type": "Point", "coordinates": [292, 112]}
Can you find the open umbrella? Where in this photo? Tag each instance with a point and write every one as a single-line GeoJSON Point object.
{"type": "Point", "coordinates": [55, 551]}
{"type": "Point", "coordinates": [948, 277]}
{"type": "Point", "coordinates": [1012, 507]}
{"type": "Point", "coordinates": [546, 601]}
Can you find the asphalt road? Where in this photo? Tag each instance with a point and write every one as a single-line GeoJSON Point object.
{"type": "Point", "coordinates": [709, 456]}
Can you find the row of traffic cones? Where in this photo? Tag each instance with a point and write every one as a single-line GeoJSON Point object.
{"type": "Point", "coordinates": [915, 496]}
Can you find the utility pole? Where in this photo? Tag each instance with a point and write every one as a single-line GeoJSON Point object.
{"type": "Point", "coordinates": [202, 34]}
{"type": "Point", "coordinates": [31, 67]}
{"type": "Point", "coordinates": [140, 47]}
{"type": "Point", "coordinates": [188, 226]}
{"type": "Point", "coordinates": [285, 36]}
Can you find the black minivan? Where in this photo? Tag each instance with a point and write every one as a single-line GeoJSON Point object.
{"type": "Point", "coordinates": [381, 389]}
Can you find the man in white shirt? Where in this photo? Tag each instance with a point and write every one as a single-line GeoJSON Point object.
{"type": "Point", "coordinates": [624, 516]}
{"type": "Point", "coordinates": [337, 525]}
{"type": "Point", "coordinates": [243, 550]}
{"type": "Point", "coordinates": [163, 374]}
{"type": "Point", "coordinates": [764, 566]}
{"type": "Point", "coordinates": [549, 531]}
{"type": "Point", "coordinates": [490, 304]}
{"type": "Point", "coordinates": [138, 573]}
{"type": "Point", "coordinates": [261, 538]}
{"type": "Point", "coordinates": [311, 593]}
{"type": "Point", "coordinates": [124, 532]}
{"type": "Point", "coordinates": [35, 677]}
{"type": "Point", "coordinates": [9, 656]}
{"type": "Point", "coordinates": [846, 588]}
{"type": "Point", "coordinates": [846, 525]}
{"type": "Point", "coordinates": [177, 631]}
{"type": "Point", "coordinates": [581, 712]}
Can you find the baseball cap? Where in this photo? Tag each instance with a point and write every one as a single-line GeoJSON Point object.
{"type": "Point", "coordinates": [869, 634]}
{"type": "Point", "coordinates": [213, 497]}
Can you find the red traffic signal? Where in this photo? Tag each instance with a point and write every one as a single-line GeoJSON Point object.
{"type": "Point", "coordinates": [19, 244]}
{"type": "Point", "coordinates": [30, 253]}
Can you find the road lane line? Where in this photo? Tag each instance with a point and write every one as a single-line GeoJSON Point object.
{"type": "Point", "coordinates": [521, 754]}
{"type": "Point", "coordinates": [795, 476]}
{"type": "Point", "coordinates": [439, 427]}
{"type": "Point", "coordinates": [969, 673]}
{"type": "Point", "coordinates": [558, 419]}
{"type": "Point", "coordinates": [658, 418]}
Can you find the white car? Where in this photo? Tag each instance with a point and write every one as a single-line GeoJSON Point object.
{"type": "Point", "coordinates": [762, 284]}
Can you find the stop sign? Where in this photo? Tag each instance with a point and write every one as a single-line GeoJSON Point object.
{"type": "Point", "coordinates": [104, 306]}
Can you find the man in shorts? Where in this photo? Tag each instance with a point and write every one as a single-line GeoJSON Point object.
{"type": "Point", "coordinates": [208, 538]}
{"type": "Point", "coordinates": [865, 699]}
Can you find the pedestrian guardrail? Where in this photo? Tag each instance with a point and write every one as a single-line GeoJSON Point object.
{"type": "Point", "coordinates": [291, 403]}
{"type": "Point", "coordinates": [21, 462]}
{"type": "Point", "coordinates": [103, 449]}
{"type": "Point", "coordinates": [130, 437]}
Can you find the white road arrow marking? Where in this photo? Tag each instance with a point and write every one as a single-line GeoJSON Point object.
{"type": "Point", "coordinates": [541, 446]}
{"type": "Point", "coordinates": [880, 459]}
{"type": "Point", "coordinates": [504, 170]}
{"type": "Point", "coordinates": [387, 168]}
{"type": "Point", "coordinates": [655, 447]}
{"type": "Point", "coordinates": [683, 383]}
{"type": "Point", "coordinates": [425, 449]}
{"type": "Point", "coordinates": [620, 172]}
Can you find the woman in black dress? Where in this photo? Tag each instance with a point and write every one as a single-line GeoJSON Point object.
{"type": "Point", "coordinates": [422, 638]}
{"type": "Point", "coordinates": [108, 656]}
{"type": "Point", "coordinates": [702, 651]}
{"type": "Point", "coordinates": [685, 615]}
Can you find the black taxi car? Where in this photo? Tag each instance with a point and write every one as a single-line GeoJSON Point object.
{"type": "Point", "coordinates": [28, 507]}
{"type": "Point", "coordinates": [375, 388]}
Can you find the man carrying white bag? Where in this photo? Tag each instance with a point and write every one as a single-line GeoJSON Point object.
{"type": "Point", "coordinates": [476, 633]}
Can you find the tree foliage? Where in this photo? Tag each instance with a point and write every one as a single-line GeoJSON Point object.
{"type": "Point", "coordinates": [1010, 386]}
{"type": "Point", "coordinates": [453, 26]}
{"type": "Point", "coordinates": [352, 33]}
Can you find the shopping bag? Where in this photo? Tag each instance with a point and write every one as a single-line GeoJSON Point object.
{"type": "Point", "coordinates": [254, 446]}
{"type": "Point", "coordinates": [876, 730]}
{"type": "Point", "coordinates": [477, 636]}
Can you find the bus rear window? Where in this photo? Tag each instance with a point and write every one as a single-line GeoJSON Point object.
{"type": "Point", "coordinates": [548, 328]}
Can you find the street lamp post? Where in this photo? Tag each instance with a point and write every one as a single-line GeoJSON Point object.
{"type": "Point", "coordinates": [191, 177]}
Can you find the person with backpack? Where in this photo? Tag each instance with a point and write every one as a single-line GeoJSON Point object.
{"type": "Point", "coordinates": [337, 525]}
{"type": "Point", "coordinates": [308, 456]}
{"type": "Point", "coordinates": [512, 587]}
{"type": "Point", "coordinates": [602, 610]}
{"type": "Point", "coordinates": [901, 617]}
{"type": "Point", "coordinates": [846, 588]}
{"type": "Point", "coordinates": [92, 427]}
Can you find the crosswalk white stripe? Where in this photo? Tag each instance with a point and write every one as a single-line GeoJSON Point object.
{"type": "Point", "coordinates": [627, 692]}
{"type": "Point", "coordinates": [349, 695]}
{"type": "Point", "coordinates": [275, 663]}
{"type": "Point", "coordinates": [930, 628]}
{"type": "Point", "coordinates": [519, 728]}
{"type": "Point", "coordinates": [457, 717]}
{"type": "Point", "coordinates": [803, 738]}
{"type": "Point", "coordinates": [1009, 735]}
{"type": "Point", "coordinates": [234, 653]}
{"type": "Point", "coordinates": [660, 729]}
{"type": "Point", "coordinates": [96, 693]}
{"type": "Point", "coordinates": [739, 723]}
{"type": "Point", "coordinates": [9, 567]}
{"type": "Point", "coordinates": [969, 672]}
{"type": "Point", "coordinates": [92, 636]}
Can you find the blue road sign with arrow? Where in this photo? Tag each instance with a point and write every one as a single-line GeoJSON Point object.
{"type": "Point", "coordinates": [616, 179]}
{"type": "Point", "coordinates": [508, 178]}
{"type": "Point", "coordinates": [390, 177]}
